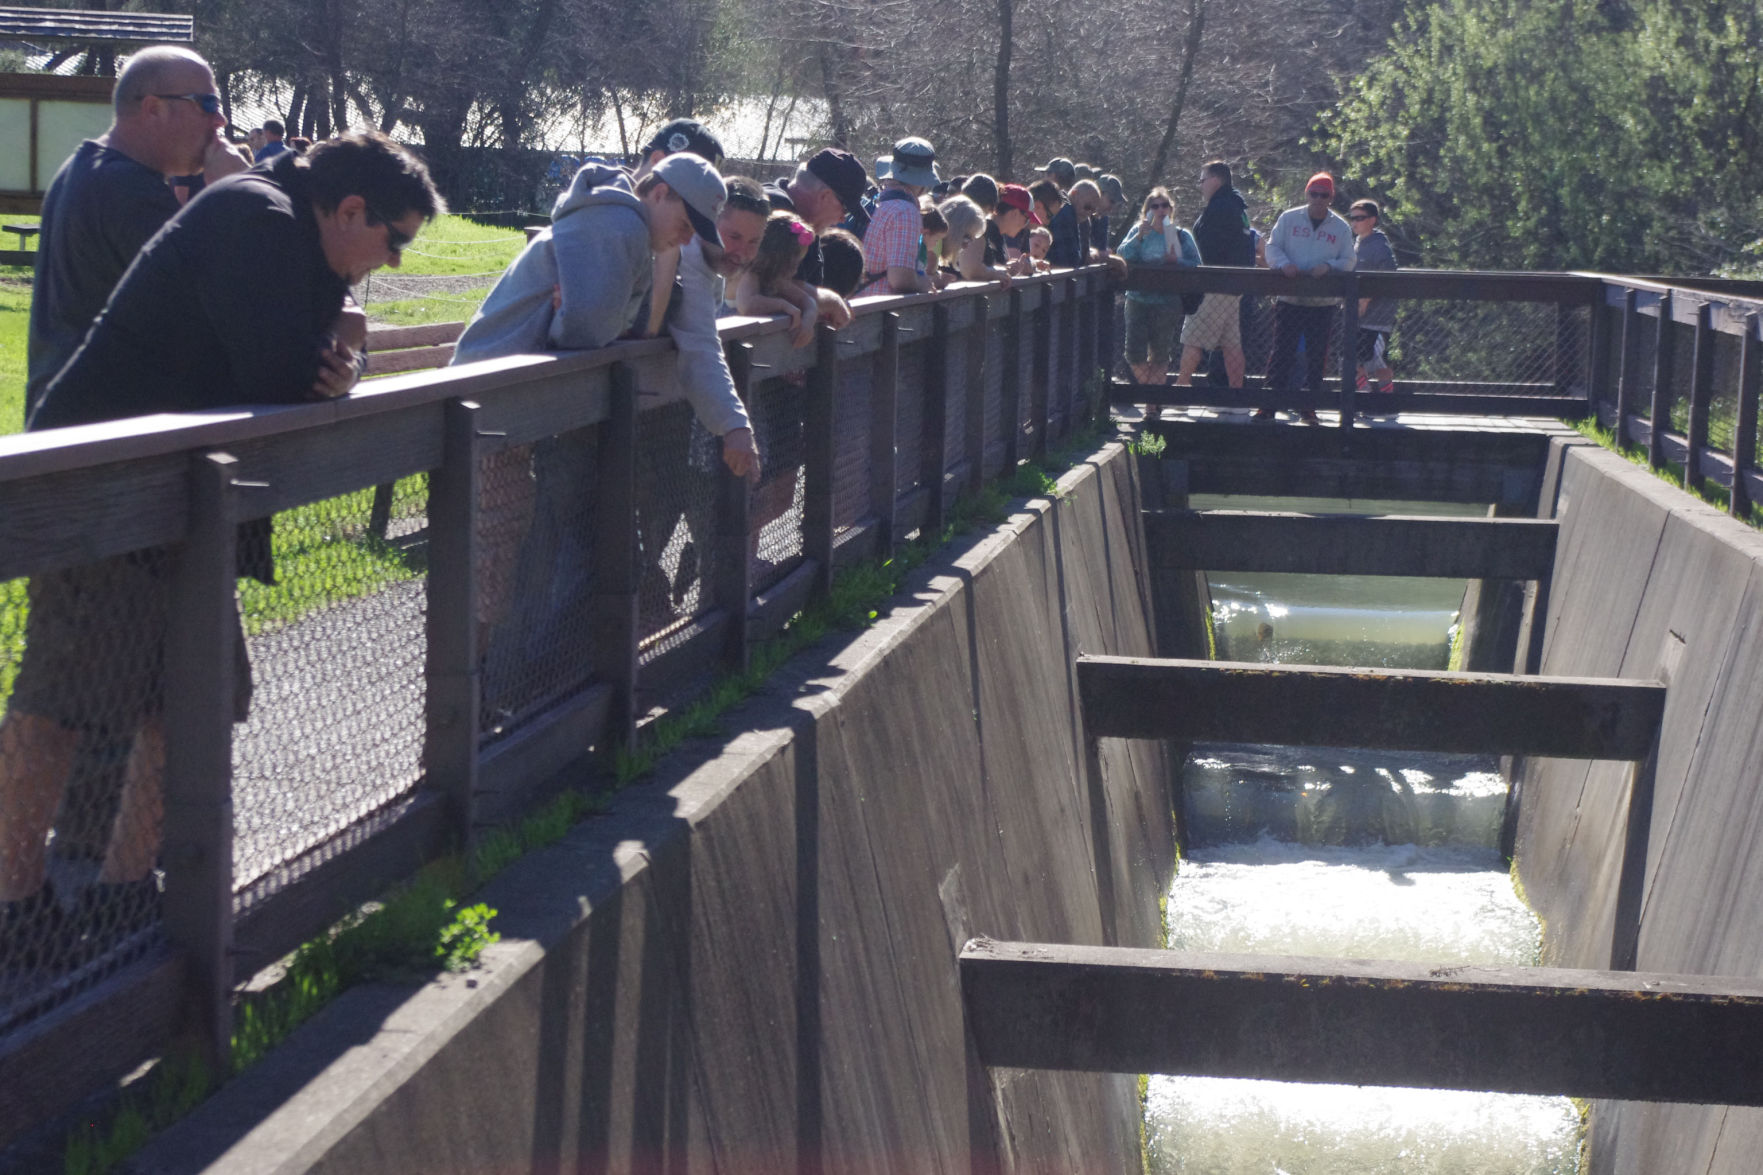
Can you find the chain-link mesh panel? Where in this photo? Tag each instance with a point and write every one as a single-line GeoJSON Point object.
{"type": "Point", "coordinates": [909, 417]}
{"type": "Point", "coordinates": [853, 406]}
{"type": "Point", "coordinates": [777, 412]}
{"type": "Point", "coordinates": [996, 426]}
{"type": "Point", "coordinates": [955, 400]}
{"type": "Point", "coordinates": [82, 756]}
{"type": "Point", "coordinates": [677, 487]}
{"type": "Point", "coordinates": [337, 648]}
{"type": "Point", "coordinates": [535, 575]}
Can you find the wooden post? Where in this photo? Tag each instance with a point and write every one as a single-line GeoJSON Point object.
{"type": "Point", "coordinates": [1349, 350]}
{"type": "Point", "coordinates": [1010, 385]}
{"type": "Point", "coordinates": [1744, 440]}
{"type": "Point", "coordinates": [884, 426]}
{"type": "Point", "coordinates": [1628, 380]}
{"type": "Point", "coordinates": [819, 453]}
{"type": "Point", "coordinates": [1663, 356]}
{"type": "Point", "coordinates": [1086, 348]}
{"type": "Point", "coordinates": [1701, 393]}
{"type": "Point", "coordinates": [734, 518]}
{"type": "Point", "coordinates": [1105, 351]}
{"type": "Point", "coordinates": [614, 643]}
{"type": "Point", "coordinates": [1041, 382]}
{"type": "Point", "coordinates": [202, 628]}
{"type": "Point", "coordinates": [935, 460]}
{"type": "Point", "coordinates": [1598, 381]}
{"type": "Point", "coordinates": [974, 436]}
{"type": "Point", "coordinates": [454, 671]}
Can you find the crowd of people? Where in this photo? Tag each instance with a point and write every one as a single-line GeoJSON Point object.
{"type": "Point", "coordinates": [149, 299]}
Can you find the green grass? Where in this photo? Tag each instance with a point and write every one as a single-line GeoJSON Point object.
{"type": "Point", "coordinates": [422, 311]}
{"type": "Point", "coordinates": [15, 314]}
{"type": "Point", "coordinates": [1671, 472]}
{"type": "Point", "coordinates": [453, 245]}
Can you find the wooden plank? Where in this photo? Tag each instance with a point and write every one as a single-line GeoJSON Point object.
{"type": "Point", "coordinates": [201, 653]}
{"type": "Point", "coordinates": [52, 1064]}
{"type": "Point", "coordinates": [1592, 1034]}
{"type": "Point", "coordinates": [1744, 450]}
{"type": "Point", "coordinates": [1412, 709]}
{"type": "Point", "coordinates": [1041, 376]}
{"type": "Point", "coordinates": [396, 338]}
{"type": "Point", "coordinates": [454, 668]}
{"type": "Point", "coordinates": [414, 359]}
{"type": "Point", "coordinates": [79, 516]}
{"type": "Point", "coordinates": [1351, 544]}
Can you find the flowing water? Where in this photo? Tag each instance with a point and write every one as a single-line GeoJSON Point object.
{"type": "Point", "coordinates": [1348, 854]}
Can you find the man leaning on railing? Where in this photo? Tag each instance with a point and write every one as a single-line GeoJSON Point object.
{"type": "Point", "coordinates": [238, 300]}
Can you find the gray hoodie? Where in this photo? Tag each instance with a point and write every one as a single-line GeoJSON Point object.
{"type": "Point", "coordinates": [595, 256]}
{"type": "Point", "coordinates": [1372, 252]}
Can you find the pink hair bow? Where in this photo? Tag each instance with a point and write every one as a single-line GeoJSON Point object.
{"type": "Point", "coordinates": [803, 234]}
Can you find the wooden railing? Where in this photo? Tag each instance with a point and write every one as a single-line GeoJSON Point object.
{"type": "Point", "coordinates": [1452, 327]}
{"type": "Point", "coordinates": [917, 400]}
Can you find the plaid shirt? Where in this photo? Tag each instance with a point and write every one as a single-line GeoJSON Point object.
{"type": "Point", "coordinates": [895, 238]}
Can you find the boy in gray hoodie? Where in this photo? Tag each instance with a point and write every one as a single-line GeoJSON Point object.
{"type": "Point", "coordinates": [579, 284]}
{"type": "Point", "coordinates": [1377, 316]}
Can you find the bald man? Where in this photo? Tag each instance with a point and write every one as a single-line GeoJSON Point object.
{"type": "Point", "coordinates": [112, 195]}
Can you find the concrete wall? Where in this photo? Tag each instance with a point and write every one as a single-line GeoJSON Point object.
{"type": "Point", "coordinates": [1650, 582]}
{"type": "Point", "coordinates": [749, 966]}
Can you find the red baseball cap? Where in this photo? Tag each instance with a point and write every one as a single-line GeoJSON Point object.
{"type": "Point", "coordinates": [1321, 180]}
{"type": "Point", "coordinates": [1016, 196]}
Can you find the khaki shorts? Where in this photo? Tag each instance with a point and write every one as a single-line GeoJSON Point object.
{"type": "Point", "coordinates": [1215, 324]}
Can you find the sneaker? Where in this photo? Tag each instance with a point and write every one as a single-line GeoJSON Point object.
{"type": "Point", "coordinates": [1362, 384]}
{"type": "Point", "coordinates": [1388, 387]}
{"type": "Point", "coordinates": [1307, 416]}
{"type": "Point", "coordinates": [1262, 415]}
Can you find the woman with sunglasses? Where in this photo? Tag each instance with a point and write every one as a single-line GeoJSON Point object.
{"type": "Point", "coordinates": [1152, 320]}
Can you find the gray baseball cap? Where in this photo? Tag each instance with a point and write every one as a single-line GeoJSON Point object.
{"type": "Point", "coordinates": [1110, 185]}
{"type": "Point", "coordinates": [702, 189]}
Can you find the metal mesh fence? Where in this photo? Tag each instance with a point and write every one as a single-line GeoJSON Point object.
{"type": "Point", "coordinates": [82, 753]}
{"type": "Point", "coordinates": [337, 648]}
{"type": "Point", "coordinates": [1484, 348]}
{"type": "Point", "coordinates": [853, 404]}
{"type": "Point", "coordinates": [535, 575]}
{"type": "Point", "coordinates": [777, 412]}
{"type": "Point", "coordinates": [678, 463]}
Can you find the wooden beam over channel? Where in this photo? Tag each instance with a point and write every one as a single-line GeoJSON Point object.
{"type": "Point", "coordinates": [1351, 544]}
{"type": "Point", "coordinates": [1627, 1035]}
{"type": "Point", "coordinates": [1389, 709]}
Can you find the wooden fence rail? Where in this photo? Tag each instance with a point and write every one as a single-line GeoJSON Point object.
{"type": "Point", "coordinates": [899, 412]}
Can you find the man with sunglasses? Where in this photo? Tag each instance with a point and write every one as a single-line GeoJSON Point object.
{"type": "Point", "coordinates": [113, 194]}
{"type": "Point", "coordinates": [238, 300]}
{"type": "Point", "coordinates": [1309, 239]}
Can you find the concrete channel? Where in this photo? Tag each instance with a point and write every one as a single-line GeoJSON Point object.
{"type": "Point", "coordinates": [757, 962]}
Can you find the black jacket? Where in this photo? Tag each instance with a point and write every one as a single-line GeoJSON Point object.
{"type": "Point", "coordinates": [230, 303]}
{"type": "Point", "coordinates": [1222, 232]}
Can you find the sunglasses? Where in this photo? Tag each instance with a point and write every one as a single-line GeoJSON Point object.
{"type": "Point", "coordinates": [208, 103]}
{"type": "Point", "coordinates": [1159, 206]}
{"type": "Point", "coordinates": [1360, 216]}
{"type": "Point", "coordinates": [1321, 195]}
{"type": "Point", "coordinates": [397, 240]}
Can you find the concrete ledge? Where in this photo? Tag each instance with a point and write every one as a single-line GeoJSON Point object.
{"type": "Point", "coordinates": [750, 964]}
